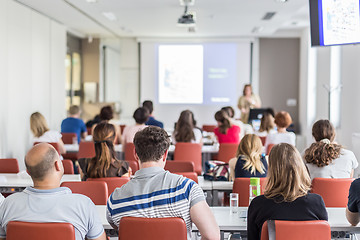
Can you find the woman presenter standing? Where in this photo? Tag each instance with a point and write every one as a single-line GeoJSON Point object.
{"type": "Point", "coordinates": [247, 101]}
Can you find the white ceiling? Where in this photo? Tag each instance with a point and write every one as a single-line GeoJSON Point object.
{"type": "Point", "coordinates": [158, 18]}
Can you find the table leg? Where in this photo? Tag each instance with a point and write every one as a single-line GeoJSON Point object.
{"type": "Point", "coordinates": [215, 198]}
{"type": "Point", "coordinates": [222, 235]}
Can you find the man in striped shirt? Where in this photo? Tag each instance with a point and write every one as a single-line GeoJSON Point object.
{"type": "Point", "coordinates": [156, 193]}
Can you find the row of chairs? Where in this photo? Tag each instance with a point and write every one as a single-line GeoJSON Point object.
{"type": "Point", "coordinates": [334, 191]}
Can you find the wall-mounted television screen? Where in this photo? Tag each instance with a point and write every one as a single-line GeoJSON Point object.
{"type": "Point", "coordinates": [334, 22]}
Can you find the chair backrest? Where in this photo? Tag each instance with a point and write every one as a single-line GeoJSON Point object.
{"type": "Point", "coordinates": [134, 164]}
{"type": "Point", "coordinates": [97, 191]}
{"type": "Point", "coordinates": [68, 166]}
{"type": "Point", "coordinates": [129, 151]}
{"type": "Point", "coordinates": [39, 231]}
{"type": "Point", "coordinates": [86, 150]}
{"type": "Point", "coordinates": [334, 191]}
{"type": "Point", "coordinates": [67, 138]}
{"type": "Point", "coordinates": [136, 228]}
{"type": "Point", "coordinates": [296, 230]}
{"type": "Point", "coordinates": [189, 152]}
{"type": "Point", "coordinates": [54, 144]}
{"type": "Point", "coordinates": [269, 147]}
{"type": "Point", "coordinates": [112, 182]}
{"type": "Point", "coordinates": [191, 175]}
{"type": "Point", "coordinates": [263, 140]}
{"type": "Point", "coordinates": [88, 129]}
{"type": "Point", "coordinates": [209, 128]}
{"type": "Point", "coordinates": [242, 187]}
{"type": "Point", "coordinates": [9, 165]}
{"type": "Point", "coordinates": [173, 166]}
{"type": "Point", "coordinates": [227, 151]}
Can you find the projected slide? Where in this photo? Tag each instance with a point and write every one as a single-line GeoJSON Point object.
{"type": "Point", "coordinates": [197, 74]}
{"type": "Point", "coordinates": [180, 74]}
{"type": "Point", "coordinates": [341, 21]}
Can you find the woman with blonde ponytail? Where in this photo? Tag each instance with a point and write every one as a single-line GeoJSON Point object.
{"type": "Point", "coordinates": [249, 161]}
{"type": "Point", "coordinates": [105, 163]}
{"type": "Point", "coordinates": [327, 159]}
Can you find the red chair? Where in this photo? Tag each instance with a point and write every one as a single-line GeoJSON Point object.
{"type": "Point", "coordinates": [54, 144]}
{"type": "Point", "coordinates": [112, 182]}
{"type": "Point", "coordinates": [86, 150]}
{"type": "Point", "coordinates": [9, 165]}
{"type": "Point", "coordinates": [227, 151]}
{"type": "Point", "coordinates": [263, 140]}
{"type": "Point", "coordinates": [173, 166]}
{"type": "Point", "coordinates": [334, 191]}
{"type": "Point", "coordinates": [189, 152]}
{"type": "Point", "coordinates": [134, 164]}
{"type": "Point", "coordinates": [191, 175]}
{"type": "Point", "coordinates": [39, 231]}
{"type": "Point", "coordinates": [122, 126]}
{"type": "Point", "coordinates": [96, 191]}
{"type": "Point", "coordinates": [68, 166]}
{"type": "Point", "coordinates": [136, 228]}
{"type": "Point", "coordinates": [67, 138]}
{"type": "Point", "coordinates": [269, 147]}
{"type": "Point", "coordinates": [129, 151]}
{"type": "Point", "coordinates": [242, 187]}
{"type": "Point", "coordinates": [209, 128]}
{"type": "Point", "coordinates": [296, 230]}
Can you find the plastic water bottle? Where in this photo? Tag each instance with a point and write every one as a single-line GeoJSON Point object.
{"type": "Point", "coordinates": [254, 188]}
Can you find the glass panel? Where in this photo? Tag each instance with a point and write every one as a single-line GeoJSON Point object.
{"type": "Point", "coordinates": [76, 74]}
{"type": "Point", "coordinates": [68, 73]}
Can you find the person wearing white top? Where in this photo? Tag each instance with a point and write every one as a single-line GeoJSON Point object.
{"type": "Point", "coordinates": [267, 125]}
{"type": "Point", "coordinates": [141, 115]}
{"type": "Point", "coordinates": [326, 159]}
{"type": "Point", "coordinates": [1, 198]}
{"type": "Point", "coordinates": [42, 133]}
{"type": "Point", "coordinates": [185, 130]}
{"type": "Point", "coordinates": [282, 121]}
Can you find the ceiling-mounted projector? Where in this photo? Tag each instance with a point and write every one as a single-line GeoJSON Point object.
{"type": "Point", "coordinates": [187, 19]}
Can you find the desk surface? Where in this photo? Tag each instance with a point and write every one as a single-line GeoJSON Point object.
{"type": "Point", "coordinates": [23, 179]}
{"type": "Point", "coordinates": [233, 222]}
{"type": "Point", "coordinates": [118, 148]}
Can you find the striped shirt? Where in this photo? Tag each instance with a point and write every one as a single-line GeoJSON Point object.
{"type": "Point", "coordinates": [154, 193]}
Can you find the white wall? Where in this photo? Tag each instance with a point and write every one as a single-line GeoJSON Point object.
{"type": "Point", "coordinates": [32, 73]}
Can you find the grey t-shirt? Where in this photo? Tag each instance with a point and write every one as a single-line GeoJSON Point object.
{"type": "Point", "coordinates": [338, 168]}
{"type": "Point", "coordinates": [55, 205]}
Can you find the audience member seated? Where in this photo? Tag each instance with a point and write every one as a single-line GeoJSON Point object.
{"type": "Point", "coordinates": [249, 161]}
{"type": "Point", "coordinates": [353, 207]}
{"type": "Point", "coordinates": [247, 101]}
{"type": "Point", "coordinates": [40, 129]}
{"type": "Point", "coordinates": [73, 124]}
{"type": "Point", "coordinates": [141, 115]}
{"type": "Point", "coordinates": [187, 202]}
{"type": "Point", "coordinates": [104, 164]}
{"type": "Point", "coordinates": [326, 159]}
{"type": "Point", "coordinates": [106, 114]}
{"type": "Point", "coordinates": [151, 121]}
{"type": "Point", "coordinates": [282, 121]}
{"type": "Point", "coordinates": [286, 195]}
{"type": "Point", "coordinates": [47, 201]}
{"type": "Point", "coordinates": [185, 130]}
{"type": "Point", "coordinates": [231, 113]}
{"type": "Point", "coordinates": [226, 132]}
{"type": "Point", "coordinates": [267, 125]}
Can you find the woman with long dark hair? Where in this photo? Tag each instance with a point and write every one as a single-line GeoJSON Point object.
{"type": "Point", "coordinates": [185, 130]}
{"type": "Point", "coordinates": [226, 132]}
{"type": "Point", "coordinates": [105, 163]}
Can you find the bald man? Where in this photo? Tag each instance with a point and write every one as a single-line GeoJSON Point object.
{"type": "Point", "coordinates": [47, 201]}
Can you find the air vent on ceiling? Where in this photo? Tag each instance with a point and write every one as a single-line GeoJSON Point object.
{"type": "Point", "coordinates": [268, 15]}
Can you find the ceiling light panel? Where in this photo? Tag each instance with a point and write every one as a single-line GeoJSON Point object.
{"type": "Point", "coordinates": [110, 16]}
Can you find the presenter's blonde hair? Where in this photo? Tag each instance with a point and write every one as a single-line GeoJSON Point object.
{"type": "Point", "coordinates": [287, 175]}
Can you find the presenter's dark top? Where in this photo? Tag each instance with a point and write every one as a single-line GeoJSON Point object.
{"type": "Point", "coordinates": [354, 196]}
{"type": "Point", "coordinates": [261, 209]}
{"type": "Point", "coordinates": [241, 172]}
{"type": "Point", "coordinates": [153, 122]}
